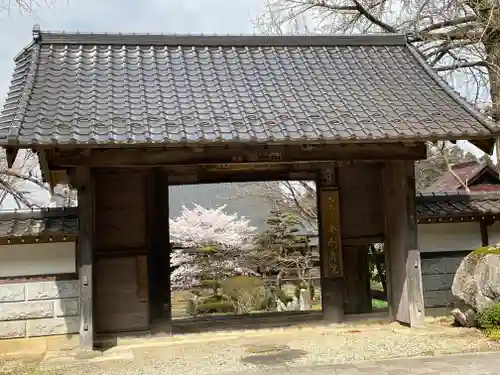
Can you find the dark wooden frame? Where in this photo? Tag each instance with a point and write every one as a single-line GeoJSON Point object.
{"type": "Point", "coordinates": [230, 163]}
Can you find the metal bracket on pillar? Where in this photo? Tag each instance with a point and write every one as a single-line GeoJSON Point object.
{"type": "Point", "coordinates": [327, 175]}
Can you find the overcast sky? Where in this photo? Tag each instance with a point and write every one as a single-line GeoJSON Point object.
{"type": "Point", "coordinates": [141, 16]}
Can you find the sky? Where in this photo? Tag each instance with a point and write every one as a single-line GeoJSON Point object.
{"type": "Point", "coordinates": [127, 16]}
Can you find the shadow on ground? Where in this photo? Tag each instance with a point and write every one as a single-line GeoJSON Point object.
{"type": "Point", "coordinates": [272, 355]}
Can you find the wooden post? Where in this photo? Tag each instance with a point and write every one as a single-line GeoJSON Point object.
{"type": "Point", "coordinates": [484, 232]}
{"type": "Point", "coordinates": [358, 299]}
{"type": "Point", "coordinates": [332, 282]}
{"type": "Point", "coordinates": [159, 251]}
{"type": "Point", "coordinates": [86, 206]}
{"type": "Point", "coordinates": [404, 275]}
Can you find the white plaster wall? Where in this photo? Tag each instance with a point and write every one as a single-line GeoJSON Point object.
{"type": "Point", "coordinates": [449, 237]}
{"type": "Point", "coordinates": [494, 233]}
{"type": "Point", "coordinates": [37, 259]}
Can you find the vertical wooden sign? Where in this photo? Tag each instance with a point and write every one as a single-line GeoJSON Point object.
{"type": "Point", "coordinates": [331, 234]}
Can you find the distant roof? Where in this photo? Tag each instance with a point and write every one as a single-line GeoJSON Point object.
{"type": "Point", "coordinates": [44, 224]}
{"type": "Point", "coordinates": [59, 224]}
{"type": "Point", "coordinates": [114, 89]}
{"type": "Point", "coordinates": [457, 205]}
{"type": "Point", "coordinates": [467, 172]}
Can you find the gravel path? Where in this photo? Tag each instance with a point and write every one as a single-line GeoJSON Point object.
{"type": "Point", "coordinates": [277, 350]}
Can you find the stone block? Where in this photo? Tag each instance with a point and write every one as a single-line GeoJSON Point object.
{"type": "Point", "coordinates": [438, 282]}
{"type": "Point", "coordinates": [26, 310]}
{"type": "Point", "coordinates": [437, 266]}
{"type": "Point", "coordinates": [57, 326]}
{"type": "Point", "coordinates": [439, 298]}
{"type": "Point", "coordinates": [66, 307]}
{"type": "Point", "coordinates": [10, 330]}
{"type": "Point", "coordinates": [52, 290]}
{"type": "Point", "coordinates": [12, 292]}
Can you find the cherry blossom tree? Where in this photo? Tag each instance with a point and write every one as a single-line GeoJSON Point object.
{"type": "Point", "coordinates": [213, 246]}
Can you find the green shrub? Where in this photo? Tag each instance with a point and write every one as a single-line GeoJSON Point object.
{"type": "Point", "coordinates": [489, 319]}
{"type": "Point", "coordinates": [245, 292]}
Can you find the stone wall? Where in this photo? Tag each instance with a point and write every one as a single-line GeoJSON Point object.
{"type": "Point", "coordinates": [39, 308]}
{"type": "Point", "coordinates": [438, 271]}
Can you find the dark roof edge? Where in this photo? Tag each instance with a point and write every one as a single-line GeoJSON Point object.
{"type": "Point", "coordinates": [454, 95]}
{"type": "Point", "coordinates": [222, 40]}
{"type": "Point", "coordinates": [485, 168]}
{"type": "Point", "coordinates": [457, 196]}
{"type": "Point", "coordinates": [34, 49]}
{"type": "Point", "coordinates": [43, 213]}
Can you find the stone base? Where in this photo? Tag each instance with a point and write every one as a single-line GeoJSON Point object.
{"type": "Point", "coordinates": [332, 290]}
{"type": "Point", "coordinates": [38, 345]}
{"type": "Point", "coordinates": [88, 354]}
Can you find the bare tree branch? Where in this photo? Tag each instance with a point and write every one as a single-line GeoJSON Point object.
{"type": "Point", "coordinates": [447, 23]}
{"type": "Point", "coordinates": [370, 17]}
{"type": "Point", "coordinates": [459, 65]}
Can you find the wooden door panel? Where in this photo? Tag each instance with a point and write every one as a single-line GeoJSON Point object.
{"type": "Point", "coordinates": [121, 305]}
{"type": "Point", "coordinates": [361, 204]}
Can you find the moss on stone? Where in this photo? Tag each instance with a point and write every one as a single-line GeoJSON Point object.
{"type": "Point", "coordinates": [485, 250]}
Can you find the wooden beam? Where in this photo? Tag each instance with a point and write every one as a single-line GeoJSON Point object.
{"type": "Point", "coordinates": [203, 176]}
{"type": "Point", "coordinates": [330, 247]}
{"type": "Point", "coordinates": [404, 276]}
{"type": "Point", "coordinates": [227, 157]}
{"type": "Point", "coordinates": [85, 243]}
{"type": "Point", "coordinates": [42, 238]}
{"type": "Point", "coordinates": [11, 154]}
{"type": "Point", "coordinates": [159, 252]}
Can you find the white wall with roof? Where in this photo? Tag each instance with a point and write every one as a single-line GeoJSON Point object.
{"type": "Point", "coordinates": [438, 237]}
{"type": "Point", "coordinates": [37, 259]}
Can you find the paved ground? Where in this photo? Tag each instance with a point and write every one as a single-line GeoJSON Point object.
{"type": "Point", "coordinates": [349, 350]}
{"type": "Point", "coordinates": [465, 364]}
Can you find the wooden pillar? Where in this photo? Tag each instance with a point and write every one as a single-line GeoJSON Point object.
{"type": "Point", "coordinates": [85, 250]}
{"type": "Point", "coordinates": [159, 251]}
{"type": "Point", "coordinates": [358, 299]}
{"type": "Point", "coordinates": [332, 281]}
{"type": "Point", "coordinates": [404, 275]}
{"type": "Point", "coordinates": [484, 231]}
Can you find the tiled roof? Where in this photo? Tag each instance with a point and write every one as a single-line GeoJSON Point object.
{"type": "Point", "coordinates": [39, 223]}
{"type": "Point", "coordinates": [98, 89]}
{"type": "Point", "coordinates": [465, 171]}
{"type": "Point", "coordinates": [57, 222]}
{"type": "Point", "coordinates": [455, 204]}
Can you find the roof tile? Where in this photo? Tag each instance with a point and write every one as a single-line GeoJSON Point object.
{"type": "Point", "coordinates": [101, 89]}
{"type": "Point", "coordinates": [40, 223]}
{"type": "Point", "coordinates": [456, 204]}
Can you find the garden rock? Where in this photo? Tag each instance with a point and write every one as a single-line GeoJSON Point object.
{"type": "Point", "coordinates": [466, 318]}
{"type": "Point", "coordinates": [477, 281]}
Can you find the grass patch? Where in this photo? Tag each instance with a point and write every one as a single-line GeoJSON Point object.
{"type": "Point", "coordinates": [493, 334]}
{"type": "Point", "coordinates": [379, 304]}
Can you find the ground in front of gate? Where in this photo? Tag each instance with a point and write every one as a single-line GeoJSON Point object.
{"type": "Point", "coordinates": [337, 349]}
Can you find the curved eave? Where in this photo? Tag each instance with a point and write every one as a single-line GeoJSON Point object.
{"type": "Point", "coordinates": [486, 144]}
